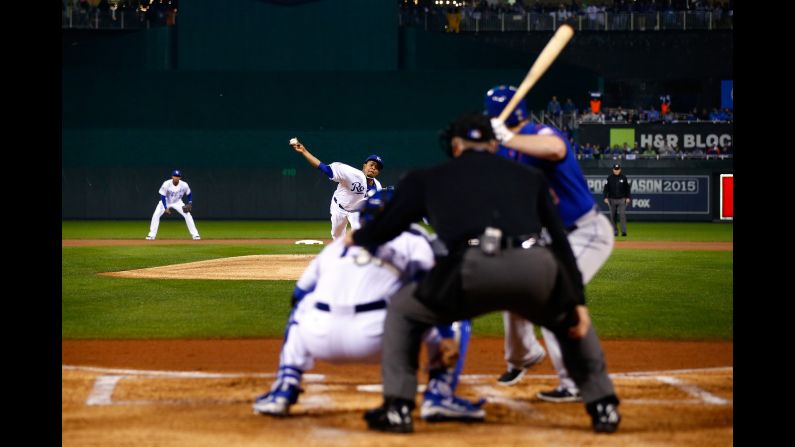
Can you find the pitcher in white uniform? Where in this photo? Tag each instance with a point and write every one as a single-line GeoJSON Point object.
{"type": "Point", "coordinates": [340, 303]}
{"type": "Point", "coordinates": [171, 193]}
{"type": "Point", "coordinates": [352, 185]}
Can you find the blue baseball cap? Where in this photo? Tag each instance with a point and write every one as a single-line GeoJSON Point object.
{"type": "Point", "coordinates": [377, 159]}
{"type": "Point", "coordinates": [176, 173]}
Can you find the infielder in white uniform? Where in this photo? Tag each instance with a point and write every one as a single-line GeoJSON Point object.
{"type": "Point", "coordinates": [171, 193]}
{"type": "Point", "coordinates": [352, 186]}
{"type": "Point", "coordinates": [339, 310]}
{"type": "Point", "coordinates": [589, 232]}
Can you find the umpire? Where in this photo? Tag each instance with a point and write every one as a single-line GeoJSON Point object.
{"type": "Point", "coordinates": [618, 194]}
{"type": "Point", "coordinates": [489, 211]}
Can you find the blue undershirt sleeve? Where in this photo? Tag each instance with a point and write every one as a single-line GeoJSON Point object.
{"type": "Point", "coordinates": [324, 168]}
{"type": "Point", "coordinates": [163, 199]}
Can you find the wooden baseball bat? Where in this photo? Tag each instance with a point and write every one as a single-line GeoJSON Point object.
{"type": "Point", "coordinates": [544, 60]}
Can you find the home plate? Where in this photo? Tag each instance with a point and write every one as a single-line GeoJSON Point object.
{"type": "Point", "coordinates": [308, 242]}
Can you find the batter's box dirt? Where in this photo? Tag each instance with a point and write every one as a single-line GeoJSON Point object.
{"type": "Point", "coordinates": [666, 407]}
{"type": "Point", "coordinates": [655, 411]}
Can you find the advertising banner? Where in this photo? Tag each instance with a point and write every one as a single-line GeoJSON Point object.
{"type": "Point", "coordinates": [661, 194]}
{"type": "Point", "coordinates": [685, 136]}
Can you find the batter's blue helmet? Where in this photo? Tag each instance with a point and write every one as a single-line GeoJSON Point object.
{"type": "Point", "coordinates": [176, 173]}
{"type": "Point", "coordinates": [374, 204]}
{"type": "Point", "coordinates": [496, 100]}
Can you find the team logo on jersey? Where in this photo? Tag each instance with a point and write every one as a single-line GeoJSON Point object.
{"type": "Point", "coordinates": [357, 187]}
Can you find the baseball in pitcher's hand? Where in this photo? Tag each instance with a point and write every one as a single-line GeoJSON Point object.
{"type": "Point", "coordinates": [607, 201]}
{"type": "Point", "coordinates": [628, 200]}
{"type": "Point", "coordinates": [296, 145]}
{"type": "Point", "coordinates": [579, 330]}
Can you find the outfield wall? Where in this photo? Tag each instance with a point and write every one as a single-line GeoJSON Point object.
{"type": "Point", "coordinates": [672, 190]}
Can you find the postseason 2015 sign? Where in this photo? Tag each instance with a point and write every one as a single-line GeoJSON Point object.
{"type": "Point", "coordinates": [661, 194]}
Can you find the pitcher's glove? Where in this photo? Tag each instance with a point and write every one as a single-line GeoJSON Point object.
{"type": "Point", "coordinates": [187, 208]}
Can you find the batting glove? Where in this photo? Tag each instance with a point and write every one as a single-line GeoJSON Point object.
{"type": "Point", "coordinates": [500, 130]}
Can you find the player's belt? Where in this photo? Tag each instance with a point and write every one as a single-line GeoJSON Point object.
{"type": "Point", "coordinates": [338, 204]}
{"type": "Point", "coordinates": [374, 305]}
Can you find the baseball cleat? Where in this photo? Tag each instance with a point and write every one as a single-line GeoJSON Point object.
{"type": "Point", "coordinates": [276, 402]}
{"type": "Point", "coordinates": [393, 416]}
{"type": "Point", "coordinates": [196, 238]}
{"type": "Point", "coordinates": [513, 375]}
{"type": "Point", "coordinates": [560, 395]}
{"type": "Point", "coordinates": [150, 238]}
{"type": "Point", "coordinates": [438, 408]}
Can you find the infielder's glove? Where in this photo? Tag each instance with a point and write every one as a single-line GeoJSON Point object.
{"type": "Point", "coordinates": [187, 208]}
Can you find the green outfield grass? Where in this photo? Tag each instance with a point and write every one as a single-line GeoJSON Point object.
{"type": "Point", "coordinates": [637, 294]}
{"type": "Point", "coordinates": [174, 228]}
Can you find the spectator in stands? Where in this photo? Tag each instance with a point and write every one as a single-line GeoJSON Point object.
{"type": "Point", "coordinates": [727, 148]}
{"type": "Point", "coordinates": [574, 8]}
{"type": "Point", "coordinates": [667, 150]}
{"type": "Point", "coordinates": [693, 115]}
{"type": "Point", "coordinates": [616, 152]}
{"type": "Point", "coordinates": [454, 20]}
{"type": "Point", "coordinates": [665, 105]}
{"type": "Point", "coordinates": [587, 152]}
{"type": "Point", "coordinates": [621, 114]}
{"type": "Point", "coordinates": [597, 151]}
{"type": "Point", "coordinates": [715, 115]}
{"type": "Point", "coordinates": [696, 152]}
{"type": "Point", "coordinates": [569, 107]}
{"type": "Point", "coordinates": [649, 152]}
{"type": "Point", "coordinates": [562, 13]}
{"type": "Point", "coordinates": [596, 103]}
{"type": "Point", "coordinates": [592, 11]}
{"type": "Point", "coordinates": [553, 108]}
{"type": "Point", "coordinates": [727, 113]}
{"type": "Point", "coordinates": [652, 115]}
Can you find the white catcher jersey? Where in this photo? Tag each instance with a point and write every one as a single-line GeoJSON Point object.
{"type": "Point", "coordinates": [351, 187]}
{"type": "Point", "coordinates": [174, 193]}
{"type": "Point", "coordinates": [348, 277]}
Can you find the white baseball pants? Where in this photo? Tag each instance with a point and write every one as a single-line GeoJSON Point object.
{"type": "Point", "coordinates": [160, 210]}
{"type": "Point", "coordinates": [340, 219]}
{"type": "Point", "coordinates": [592, 242]}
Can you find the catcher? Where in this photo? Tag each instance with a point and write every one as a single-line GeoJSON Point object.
{"type": "Point", "coordinates": [339, 307]}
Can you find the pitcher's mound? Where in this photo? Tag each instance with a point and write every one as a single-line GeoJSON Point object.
{"type": "Point", "coordinates": [253, 267]}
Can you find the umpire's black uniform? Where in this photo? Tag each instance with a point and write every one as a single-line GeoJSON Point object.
{"type": "Point", "coordinates": [461, 198]}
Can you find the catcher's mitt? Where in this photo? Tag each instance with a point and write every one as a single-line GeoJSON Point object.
{"type": "Point", "coordinates": [187, 208]}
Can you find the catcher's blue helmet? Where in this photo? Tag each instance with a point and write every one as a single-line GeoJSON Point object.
{"type": "Point", "coordinates": [374, 204]}
{"type": "Point", "coordinates": [496, 100]}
